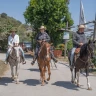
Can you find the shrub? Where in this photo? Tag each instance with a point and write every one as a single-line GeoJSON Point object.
{"type": "Point", "coordinates": [60, 46]}
{"type": "Point", "coordinates": [94, 61]}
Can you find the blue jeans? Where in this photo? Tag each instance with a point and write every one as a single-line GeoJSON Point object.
{"type": "Point", "coordinates": [72, 55]}
{"type": "Point", "coordinates": [21, 50]}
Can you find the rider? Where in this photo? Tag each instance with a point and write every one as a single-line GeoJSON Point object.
{"type": "Point", "coordinates": [13, 40]}
{"type": "Point", "coordinates": [42, 36]}
{"type": "Point", "coordinates": [79, 39]}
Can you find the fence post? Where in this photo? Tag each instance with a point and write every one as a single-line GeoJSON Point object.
{"type": "Point", "coordinates": [65, 49]}
{"type": "Point", "coordinates": [94, 34]}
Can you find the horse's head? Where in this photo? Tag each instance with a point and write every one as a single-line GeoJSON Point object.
{"type": "Point", "coordinates": [15, 52]}
{"type": "Point", "coordinates": [91, 47]}
{"type": "Point", "coordinates": [45, 49]}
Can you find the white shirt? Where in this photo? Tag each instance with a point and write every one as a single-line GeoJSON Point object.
{"type": "Point", "coordinates": [12, 40]}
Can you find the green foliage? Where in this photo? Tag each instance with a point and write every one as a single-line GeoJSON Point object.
{"type": "Point", "coordinates": [6, 23]}
{"type": "Point", "coordinates": [60, 46]}
{"type": "Point", "coordinates": [49, 13]}
{"type": "Point", "coordinates": [4, 15]}
{"type": "Point", "coordinates": [94, 61]}
{"type": "Point", "coordinates": [70, 42]}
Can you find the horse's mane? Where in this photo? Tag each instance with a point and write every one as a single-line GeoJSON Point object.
{"type": "Point", "coordinates": [84, 51]}
{"type": "Point", "coordinates": [43, 51]}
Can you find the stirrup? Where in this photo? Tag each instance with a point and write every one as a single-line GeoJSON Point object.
{"type": "Point", "coordinates": [55, 60]}
{"type": "Point", "coordinates": [32, 63]}
{"type": "Point", "coordinates": [24, 62]}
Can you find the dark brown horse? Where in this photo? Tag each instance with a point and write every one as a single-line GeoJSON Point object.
{"type": "Point", "coordinates": [82, 62]}
{"type": "Point", "coordinates": [44, 61]}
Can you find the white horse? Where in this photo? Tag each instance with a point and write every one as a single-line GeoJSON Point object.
{"type": "Point", "coordinates": [14, 61]}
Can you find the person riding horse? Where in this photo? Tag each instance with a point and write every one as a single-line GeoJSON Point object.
{"type": "Point", "coordinates": [79, 39]}
{"type": "Point", "coordinates": [42, 36]}
{"type": "Point", "coordinates": [13, 40]}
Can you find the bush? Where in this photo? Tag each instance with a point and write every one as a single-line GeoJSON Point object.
{"type": "Point", "coordinates": [60, 47]}
{"type": "Point", "coordinates": [94, 61]}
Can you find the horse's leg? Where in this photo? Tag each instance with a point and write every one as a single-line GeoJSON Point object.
{"type": "Point", "coordinates": [49, 72]}
{"type": "Point", "coordinates": [88, 84]}
{"type": "Point", "coordinates": [78, 73]}
{"type": "Point", "coordinates": [75, 78]}
{"type": "Point", "coordinates": [16, 74]}
{"type": "Point", "coordinates": [72, 74]}
{"type": "Point", "coordinates": [42, 74]}
{"type": "Point", "coordinates": [12, 72]}
{"type": "Point", "coordinates": [45, 69]}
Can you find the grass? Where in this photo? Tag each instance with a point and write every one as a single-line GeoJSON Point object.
{"type": "Point", "coordinates": [3, 68]}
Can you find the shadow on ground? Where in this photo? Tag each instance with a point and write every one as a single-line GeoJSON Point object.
{"type": "Point", "coordinates": [66, 84]}
{"type": "Point", "coordinates": [36, 70]}
{"type": "Point", "coordinates": [5, 80]}
{"type": "Point", "coordinates": [31, 82]}
{"type": "Point", "coordinates": [28, 56]}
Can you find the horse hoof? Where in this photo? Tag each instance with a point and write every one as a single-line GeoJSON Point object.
{"type": "Point", "coordinates": [45, 81]}
{"type": "Point", "coordinates": [42, 84]}
{"type": "Point", "coordinates": [78, 85]}
{"type": "Point", "coordinates": [12, 78]}
{"type": "Point", "coordinates": [17, 82]}
{"type": "Point", "coordinates": [89, 88]}
{"type": "Point", "coordinates": [72, 82]}
{"type": "Point", "coordinates": [48, 79]}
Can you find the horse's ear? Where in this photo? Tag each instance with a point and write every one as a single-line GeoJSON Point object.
{"type": "Point", "coordinates": [89, 41]}
{"type": "Point", "coordinates": [94, 41]}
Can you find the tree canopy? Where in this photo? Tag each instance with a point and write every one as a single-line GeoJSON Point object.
{"type": "Point", "coordinates": [6, 23]}
{"type": "Point", "coordinates": [54, 14]}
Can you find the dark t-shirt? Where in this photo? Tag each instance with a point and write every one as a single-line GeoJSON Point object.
{"type": "Point", "coordinates": [79, 38]}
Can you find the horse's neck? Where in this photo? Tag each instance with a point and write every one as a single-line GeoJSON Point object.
{"type": "Point", "coordinates": [85, 58]}
{"type": "Point", "coordinates": [43, 52]}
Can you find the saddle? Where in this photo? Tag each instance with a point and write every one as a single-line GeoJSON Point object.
{"type": "Point", "coordinates": [77, 50]}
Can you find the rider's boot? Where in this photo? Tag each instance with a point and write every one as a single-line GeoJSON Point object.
{"type": "Point", "coordinates": [23, 60]}
{"type": "Point", "coordinates": [54, 59]}
{"type": "Point", "coordinates": [6, 60]}
{"type": "Point", "coordinates": [34, 59]}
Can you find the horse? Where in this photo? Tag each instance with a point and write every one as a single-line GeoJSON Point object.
{"type": "Point", "coordinates": [43, 60]}
{"type": "Point", "coordinates": [14, 60]}
{"type": "Point", "coordinates": [82, 62]}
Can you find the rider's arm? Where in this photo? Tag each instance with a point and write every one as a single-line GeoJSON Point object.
{"type": "Point", "coordinates": [17, 39]}
{"type": "Point", "coordinates": [9, 41]}
{"type": "Point", "coordinates": [47, 38]}
{"type": "Point", "coordinates": [75, 39]}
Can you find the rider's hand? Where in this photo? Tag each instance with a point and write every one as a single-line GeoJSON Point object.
{"type": "Point", "coordinates": [43, 40]}
{"type": "Point", "coordinates": [39, 41]}
{"type": "Point", "coordinates": [80, 44]}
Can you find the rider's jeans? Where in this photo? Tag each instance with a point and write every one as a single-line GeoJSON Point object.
{"type": "Point", "coordinates": [72, 55]}
{"type": "Point", "coordinates": [22, 52]}
{"type": "Point", "coordinates": [7, 54]}
{"type": "Point", "coordinates": [9, 49]}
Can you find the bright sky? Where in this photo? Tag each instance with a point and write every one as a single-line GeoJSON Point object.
{"type": "Point", "coordinates": [15, 8]}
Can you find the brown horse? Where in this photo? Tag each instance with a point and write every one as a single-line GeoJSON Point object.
{"type": "Point", "coordinates": [82, 62]}
{"type": "Point", "coordinates": [44, 61]}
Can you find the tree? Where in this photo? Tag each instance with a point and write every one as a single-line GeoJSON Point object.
{"type": "Point", "coordinates": [50, 13]}
{"type": "Point", "coordinates": [6, 23]}
{"type": "Point", "coordinates": [4, 15]}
